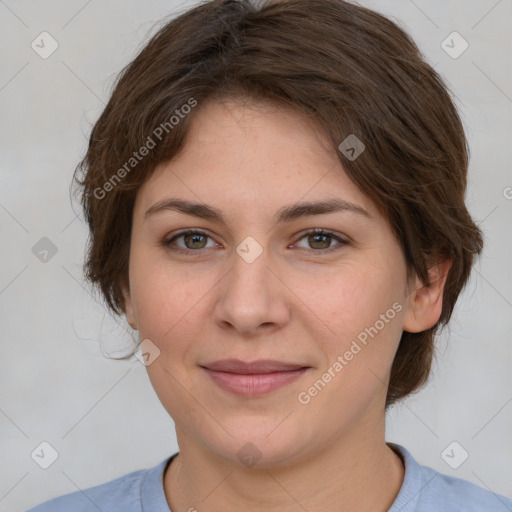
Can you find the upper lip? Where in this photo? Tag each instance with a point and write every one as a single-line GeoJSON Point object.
{"type": "Point", "coordinates": [260, 366]}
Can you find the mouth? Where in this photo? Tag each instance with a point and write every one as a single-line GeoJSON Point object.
{"type": "Point", "coordinates": [253, 378]}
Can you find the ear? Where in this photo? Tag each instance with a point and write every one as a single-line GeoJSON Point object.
{"type": "Point", "coordinates": [128, 308]}
{"type": "Point", "coordinates": [425, 304]}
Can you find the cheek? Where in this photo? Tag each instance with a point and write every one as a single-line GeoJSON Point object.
{"type": "Point", "coordinates": [353, 297]}
{"type": "Point", "coordinates": [362, 306]}
{"type": "Point", "coordinates": [166, 299]}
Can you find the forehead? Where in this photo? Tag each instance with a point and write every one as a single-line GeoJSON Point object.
{"type": "Point", "coordinates": [246, 154]}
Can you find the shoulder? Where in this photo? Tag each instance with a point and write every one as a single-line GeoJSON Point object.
{"type": "Point", "coordinates": [123, 494]}
{"type": "Point", "coordinates": [456, 494]}
{"type": "Point", "coordinates": [426, 490]}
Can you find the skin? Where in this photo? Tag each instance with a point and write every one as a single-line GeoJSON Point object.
{"type": "Point", "coordinates": [295, 302]}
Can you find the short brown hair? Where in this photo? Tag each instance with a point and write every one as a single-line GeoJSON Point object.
{"type": "Point", "coordinates": [348, 67]}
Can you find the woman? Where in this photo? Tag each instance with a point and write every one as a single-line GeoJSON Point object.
{"type": "Point", "coordinates": [275, 196]}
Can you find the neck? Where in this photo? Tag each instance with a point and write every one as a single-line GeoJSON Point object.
{"type": "Point", "coordinates": [357, 473]}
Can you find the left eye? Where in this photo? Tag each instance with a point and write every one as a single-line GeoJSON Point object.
{"type": "Point", "coordinates": [317, 239]}
{"type": "Point", "coordinates": [321, 239]}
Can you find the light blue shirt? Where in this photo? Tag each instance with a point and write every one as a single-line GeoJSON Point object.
{"type": "Point", "coordinates": [423, 490]}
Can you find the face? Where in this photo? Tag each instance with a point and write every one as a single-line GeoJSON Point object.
{"type": "Point", "coordinates": [248, 278]}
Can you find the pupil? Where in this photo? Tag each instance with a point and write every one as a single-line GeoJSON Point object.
{"type": "Point", "coordinates": [325, 237]}
{"type": "Point", "coordinates": [195, 239]}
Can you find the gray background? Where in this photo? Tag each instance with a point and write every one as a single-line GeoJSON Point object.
{"type": "Point", "coordinates": [101, 416]}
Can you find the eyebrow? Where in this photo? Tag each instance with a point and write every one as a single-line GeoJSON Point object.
{"type": "Point", "coordinates": [288, 213]}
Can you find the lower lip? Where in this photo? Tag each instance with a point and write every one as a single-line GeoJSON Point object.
{"type": "Point", "coordinates": [253, 384]}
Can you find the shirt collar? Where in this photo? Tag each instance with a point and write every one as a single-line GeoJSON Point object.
{"type": "Point", "coordinates": [409, 494]}
{"type": "Point", "coordinates": [153, 496]}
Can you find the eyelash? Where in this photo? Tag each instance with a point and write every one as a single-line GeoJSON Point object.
{"type": "Point", "coordinates": [317, 231]}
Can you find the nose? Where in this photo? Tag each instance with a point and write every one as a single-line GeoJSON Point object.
{"type": "Point", "coordinates": [252, 298]}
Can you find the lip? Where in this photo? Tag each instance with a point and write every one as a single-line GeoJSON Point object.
{"type": "Point", "coordinates": [254, 367]}
{"type": "Point", "coordinates": [253, 378]}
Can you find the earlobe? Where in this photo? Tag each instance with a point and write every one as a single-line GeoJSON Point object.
{"type": "Point", "coordinates": [128, 307]}
{"type": "Point", "coordinates": [426, 303]}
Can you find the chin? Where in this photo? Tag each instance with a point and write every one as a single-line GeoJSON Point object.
{"type": "Point", "coordinates": [266, 445]}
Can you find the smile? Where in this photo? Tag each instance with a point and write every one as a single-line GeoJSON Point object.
{"type": "Point", "coordinates": [253, 384]}
{"type": "Point", "coordinates": [253, 379]}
